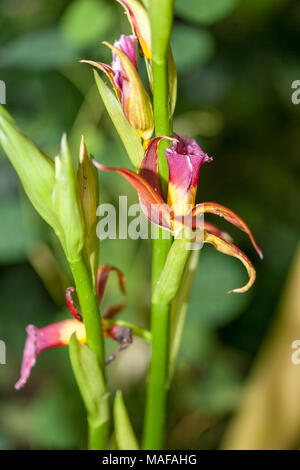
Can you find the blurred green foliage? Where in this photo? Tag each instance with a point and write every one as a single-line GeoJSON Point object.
{"type": "Point", "coordinates": [236, 62]}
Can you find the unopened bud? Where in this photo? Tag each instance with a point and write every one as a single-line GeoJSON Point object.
{"type": "Point", "coordinates": [67, 204]}
{"type": "Point", "coordinates": [87, 177]}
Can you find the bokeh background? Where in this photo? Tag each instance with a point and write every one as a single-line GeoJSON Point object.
{"type": "Point", "coordinates": [235, 385]}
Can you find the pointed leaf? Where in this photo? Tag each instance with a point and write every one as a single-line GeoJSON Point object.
{"type": "Point", "coordinates": [229, 215]}
{"type": "Point", "coordinates": [172, 74]}
{"type": "Point", "coordinates": [178, 311]}
{"type": "Point", "coordinates": [124, 434]}
{"type": "Point", "coordinates": [90, 381]}
{"type": "Point", "coordinates": [170, 280]}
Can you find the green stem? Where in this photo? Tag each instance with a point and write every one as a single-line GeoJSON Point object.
{"type": "Point", "coordinates": [161, 17]}
{"type": "Point", "coordinates": [156, 395]}
{"type": "Point", "coordinates": [89, 308]}
{"type": "Point", "coordinates": [97, 433]}
{"type": "Point", "coordinates": [97, 436]}
{"type": "Point", "coordinates": [178, 311]}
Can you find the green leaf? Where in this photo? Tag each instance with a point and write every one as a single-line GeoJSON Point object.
{"type": "Point", "coordinates": [35, 169]}
{"type": "Point", "coordinates": [124, 434]}
{"type": "Point", "coordinates": [90, 381]}
{"type": "Point", "coordinates": [204, 11]}
{"type": "Point", "coordinates": [178, 311]}
{"type": "Point", "coordinates": [146, 3]}
{"type": "Point", "coordinates": [85, 21]}
{"type": "Point", "coordinates": [191, 47]}
{"type": "Point", "coordinates": [171, 276]}
{"type": "Point", "coordinates": [127, 133]}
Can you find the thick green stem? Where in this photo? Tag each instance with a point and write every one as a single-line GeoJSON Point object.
{"type": "Point", "coordinates": [97, 433]}
{"type": "Point", "coordinates": [161, 17]}
{"type": "Point", "coordinates": [89, 309]}
{"type": "Point", "coordinates": [97, 436]}
{"type": "Point", "coordinates": [156, 396]}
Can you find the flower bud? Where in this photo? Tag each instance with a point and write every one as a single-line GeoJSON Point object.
{"type": "Point", "coordinates": [124, 77]}
{"type": "Point", "coordinates": [136, 103]}
{"type": "Point", "coordinates": [67, 204]}
{"type": "Point", "coordinates": [87, 177]}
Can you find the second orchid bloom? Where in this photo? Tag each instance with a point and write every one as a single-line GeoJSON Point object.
{"type": "Point", "coordinates": [185, 159]}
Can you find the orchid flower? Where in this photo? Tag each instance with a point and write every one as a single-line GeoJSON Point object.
{"type": "Point", "coordinates": [59, 333]}
{"type": "Point", "coordinates": [129, 89]}
{"type": "Point", "coordinates": [185, 159]}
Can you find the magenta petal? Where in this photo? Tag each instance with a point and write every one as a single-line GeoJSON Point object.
{"type": "Point", "coordinates": [30, 355]}
{"type": "Point", "coordinates": [126, 44]}
{"type": "Point", "coordinates": [185, 159]}
{"type": "Point", "coordinates": [50, 336]}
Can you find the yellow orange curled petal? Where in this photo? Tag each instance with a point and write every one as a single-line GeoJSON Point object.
{"type": "Point", "coordinates": [102, 277]}
{"type": "Point", "coordinates": [152, 203]}
{"type": "Point", "coordinates": [230, 249]}
{"type": "Point", "coordinates": [212, 228]}
{"type": "Point", "coordinates": [229, 215]}
{"type": "Point", "coordinates": [108, 71]}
